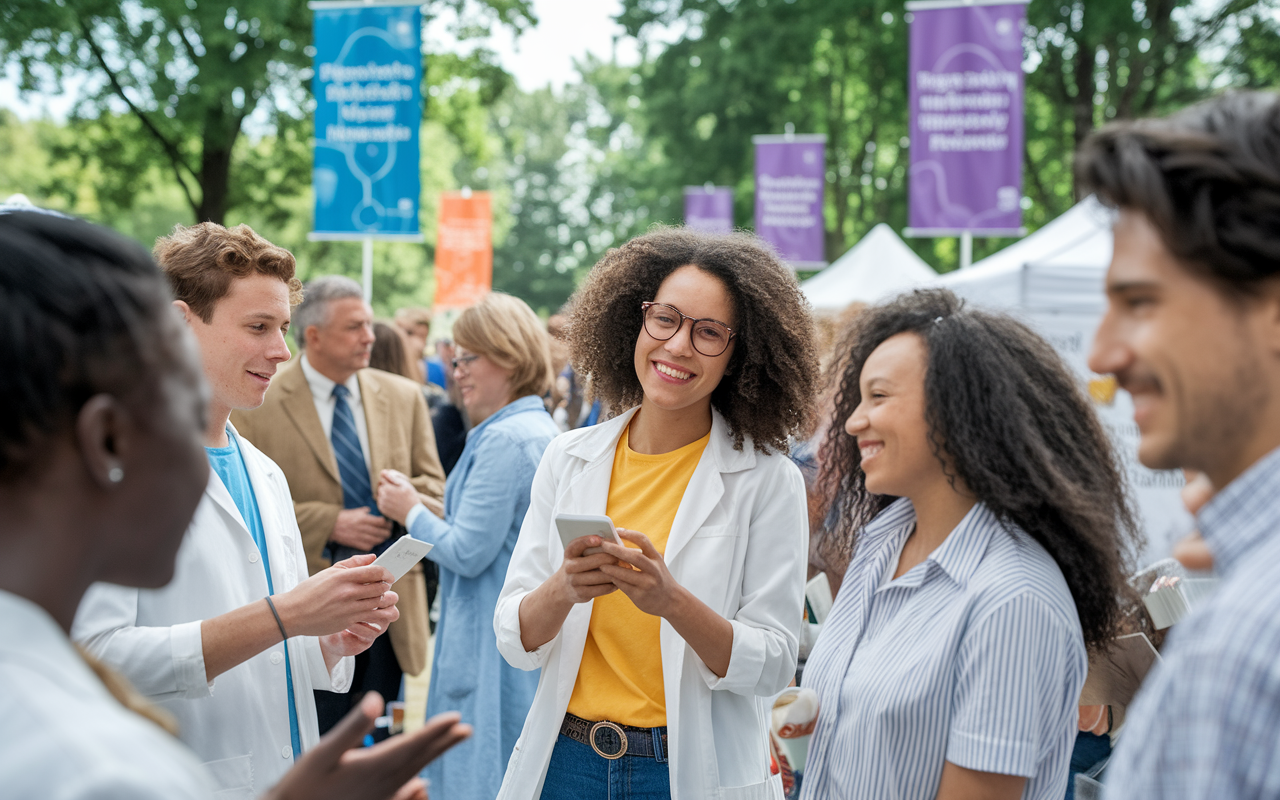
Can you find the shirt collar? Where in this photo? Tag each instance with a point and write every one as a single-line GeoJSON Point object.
{"type": "Point", "coordinates": [527, 403]}
{"type": "Point", "coordinates": [322, 387]}
{"type": "Point", "coordinates": [1238, 518]}
{"type": "Point", "coordinates": [31, 634]}
{"type": "Point", "coordinates": [962, 551]}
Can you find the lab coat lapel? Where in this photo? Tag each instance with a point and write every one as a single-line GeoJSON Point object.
{"type": "Point", "coordinates": [301, 410]}
{"type": "Point", "coordinates": [706, 485]}
{"type": "Point", "coordinates": [218, 493]}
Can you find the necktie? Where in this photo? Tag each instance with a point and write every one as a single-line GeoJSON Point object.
{"type": "Point", "coordinates": [356, 490]}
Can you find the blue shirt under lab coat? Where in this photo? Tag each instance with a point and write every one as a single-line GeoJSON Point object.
{"type": "Point", "coordinates": [485, 501]}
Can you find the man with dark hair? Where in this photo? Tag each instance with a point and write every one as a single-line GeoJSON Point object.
{"type": "Point", "coordinates": [333, 425]}
{"type": "Point", "coordinates": [1192, 331]}
{"type": "Point", "coordinates": [233, 646]}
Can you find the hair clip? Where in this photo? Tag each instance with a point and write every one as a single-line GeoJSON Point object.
{"type": "Point", "coordinates": [936, 320]}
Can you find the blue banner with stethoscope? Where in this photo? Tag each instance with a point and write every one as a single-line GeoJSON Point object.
{"type": "Point", "coordinates": [368, 89]}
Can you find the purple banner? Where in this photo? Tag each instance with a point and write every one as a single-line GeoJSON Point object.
{"type": "Point", "coordinates": [966, 119]}
{"type": "Point", "coordinates": [790, 172]}
{"type": "Point", "coordinates": [709, 210]}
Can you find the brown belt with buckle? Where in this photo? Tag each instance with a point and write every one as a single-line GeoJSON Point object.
{"type": "Point", "coordinates": [612, 740]}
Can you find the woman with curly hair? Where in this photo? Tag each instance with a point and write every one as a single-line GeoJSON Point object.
{"type": "Point", "coordinates": [658, 657]}
{"type": "Point", "coordinates": [988, 518]}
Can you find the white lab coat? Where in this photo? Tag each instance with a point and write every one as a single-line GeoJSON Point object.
{"type": "Point", "coordinates": [739, 542]}
{"type": "Point", "coordinates": [238, 723]}
{"type": "Point", "coordinates": [63, 737]}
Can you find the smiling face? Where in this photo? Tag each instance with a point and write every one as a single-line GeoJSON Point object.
{"type": "Point", "coordinates": [243, 342]}
{"type": "Point", "coordinates": [889, 423]}
{"type": "Point", "coordinates": [485, 386]}
{"type": "Point", "coordinates": [673, 375]}
{"type": "Point", "coordinates": [1195, 361]}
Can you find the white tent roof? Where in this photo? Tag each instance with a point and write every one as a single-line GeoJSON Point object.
{"type": "Point", "coordinates": [876, 268]}
{"type": "Point", "coordinates": [1061, 266]}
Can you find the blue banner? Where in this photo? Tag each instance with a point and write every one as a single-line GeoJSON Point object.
{"type": "Point", "coordinates": [368, 79]}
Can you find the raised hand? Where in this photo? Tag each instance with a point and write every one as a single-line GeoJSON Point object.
{"type": "Point", "coordinates": [338, 768]}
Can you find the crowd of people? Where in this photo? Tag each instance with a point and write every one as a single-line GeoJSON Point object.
{"type": "Point", "coordinates": [192, 515]}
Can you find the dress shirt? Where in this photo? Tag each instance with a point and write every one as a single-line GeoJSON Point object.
{"type": "Point", "coordinates": [1207, 720]}
{"type": "Point", "coordinates": [64, 736]}
{"type": "Point", "coordinates": [973, 656]}
{"type": "Point", "coordinates": [322, 395]}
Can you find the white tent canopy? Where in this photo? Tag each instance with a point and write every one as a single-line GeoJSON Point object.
{"type": "Point", "coordinates": [1058, 269]}
{"type": "Point", "coordinates": [876, 268]}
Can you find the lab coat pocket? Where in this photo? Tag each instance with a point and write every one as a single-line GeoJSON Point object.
{"type": "Point", "coordinates": [708, 561]}
{"type": "Point", "coordinates": [232, 777]}
{"type": "Point", "coordinates": [765, 790]}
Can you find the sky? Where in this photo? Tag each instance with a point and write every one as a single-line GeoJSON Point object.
{"type": "Point", "coordinates": [567, 29]}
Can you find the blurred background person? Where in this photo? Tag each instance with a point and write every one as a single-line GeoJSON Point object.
{"type": "Point", "coordinates": [391, 353]}
{"type": "Point", "coordinates": [415, 322]}
{"type": "Point", "coordinates": [986, 518]}
{"type": "Point", "coordinates": [502, 365]}
{"type": "Point", "coordinates": [657, 657]}
{"type": "Point", "coordinates": [101, 470]}
{"type": "Point", "coordinates": [332, 425]}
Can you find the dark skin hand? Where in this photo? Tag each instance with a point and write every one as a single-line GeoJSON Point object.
{"type": "Point", "coordinates": [338, 768]}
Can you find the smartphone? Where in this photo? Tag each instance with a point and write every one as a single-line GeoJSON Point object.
{"type": "Point", "coordinates": [575, 526]}
{"type": "Point", "coordinates": [400, 557]}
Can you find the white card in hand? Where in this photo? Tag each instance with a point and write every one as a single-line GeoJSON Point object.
{"type": "Point", "coordinates": [401, 556]}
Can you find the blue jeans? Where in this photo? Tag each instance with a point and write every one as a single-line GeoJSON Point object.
{"type": "Point", "coordinates": [577, 772]}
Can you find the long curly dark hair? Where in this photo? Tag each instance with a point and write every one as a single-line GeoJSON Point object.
{"type": "Point", "coordinates": [767, 391]}
{"type": "Point", "coordinates": [1008, 419]}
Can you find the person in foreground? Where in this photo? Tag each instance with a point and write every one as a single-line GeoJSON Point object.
{"type": "Point", "coordinates": [1192, 330]}
{"type": "Point", "coordinates": [101, 469]}
{"type": "Point", "coordinates": [234, 643]}
{"type": "Point", "coordinates": [658, 657]}
{"type": "Point", "coordinates": [987, 516]}
{"type": "Point", "coordinates": [503, 369]}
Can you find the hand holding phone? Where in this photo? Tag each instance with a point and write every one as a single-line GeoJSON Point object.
{"type": "Point", "coordinates": [575, 526]}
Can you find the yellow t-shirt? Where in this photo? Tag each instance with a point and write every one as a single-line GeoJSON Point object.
{"type": "Point", "coordinates": [621, 674]}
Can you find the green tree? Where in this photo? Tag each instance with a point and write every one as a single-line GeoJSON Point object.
{"type": "Point", "coordinates": [184, 77]}
{"type": "Point", "coordinates": [745, 67]}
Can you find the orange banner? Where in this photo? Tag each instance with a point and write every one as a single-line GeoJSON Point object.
{"type": "Point", "coordinates": [464, 250]}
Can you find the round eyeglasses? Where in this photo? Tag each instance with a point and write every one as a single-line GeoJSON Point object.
{"type": "Point", "coordinates": [709, 337]}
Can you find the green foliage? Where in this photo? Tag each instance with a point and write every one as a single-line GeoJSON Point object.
{"type": "Point", "coordinates": [189, 76]}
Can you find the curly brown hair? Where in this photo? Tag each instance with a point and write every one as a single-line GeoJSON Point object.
{"type": "Point", "coordinates": [767, 391]}
{"type": "Point", "coordinates": [1008, 420]}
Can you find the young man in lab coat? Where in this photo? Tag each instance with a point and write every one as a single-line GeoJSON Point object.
{"type": "Point", "coordinates": [235, 645]}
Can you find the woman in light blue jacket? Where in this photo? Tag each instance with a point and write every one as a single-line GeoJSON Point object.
{"type": "Point", "coordinates": [502, 366]}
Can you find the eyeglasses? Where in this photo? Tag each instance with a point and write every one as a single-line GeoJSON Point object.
{"type": "Point", "coordinates": [709, 337]}
{"type": "Point", "coordinates": [465, 361]}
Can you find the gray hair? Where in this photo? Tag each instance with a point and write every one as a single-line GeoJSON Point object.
{"type": "Point", "coordinates": [316, 297]}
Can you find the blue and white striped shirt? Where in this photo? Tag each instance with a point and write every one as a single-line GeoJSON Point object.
{"type": "Point", "coordinates": [974, 656]}
{"type": "Point", "coordinates": [1206, 723]}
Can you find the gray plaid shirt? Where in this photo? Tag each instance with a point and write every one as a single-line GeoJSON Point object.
{"type": "Point", "coordinates": [1207, 722]}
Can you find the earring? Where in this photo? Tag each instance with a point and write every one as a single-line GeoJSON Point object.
{"type": "Point", "coordinates": [115, 474]}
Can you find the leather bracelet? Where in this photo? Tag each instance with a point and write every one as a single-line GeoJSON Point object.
{"type": "Point", "coordinates": [276, 614]}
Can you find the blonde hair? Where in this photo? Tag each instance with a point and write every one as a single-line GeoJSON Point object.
{"type": "Point", "coordinates": [505, 330]}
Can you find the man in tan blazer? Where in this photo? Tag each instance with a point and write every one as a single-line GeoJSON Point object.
{"type": "Point", "coordinates": [333, 425]}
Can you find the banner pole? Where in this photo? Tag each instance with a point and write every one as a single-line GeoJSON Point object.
{"type": "Point", "coordinates": [966, 249]}
{"type": "Point", "coordinates": [366, 270]}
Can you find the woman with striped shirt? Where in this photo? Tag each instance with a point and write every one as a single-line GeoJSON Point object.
{"type": "Point", "coordinates": [988, 515]}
